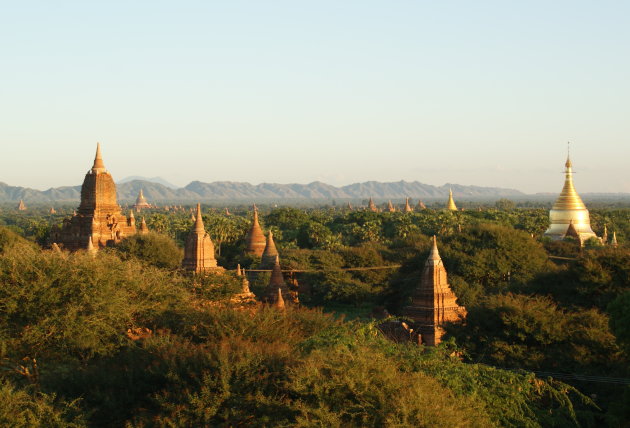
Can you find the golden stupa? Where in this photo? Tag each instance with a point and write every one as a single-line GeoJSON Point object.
{"type": "Point", "coordinates": [569, 210]}
{"type": "Point", "coordinates": [451, 203]}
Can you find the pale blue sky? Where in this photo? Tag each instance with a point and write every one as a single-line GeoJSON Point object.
{"type": "Point", "coordinates": [470, 92]}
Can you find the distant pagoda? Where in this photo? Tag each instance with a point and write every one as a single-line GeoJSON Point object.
{"type": "Point", "coordinates": [277, 282]}
{"type": "Point", "coordinates": [99, 217]}
{"type": "Point", "coordinates": [433, 302]}
{"type": "Point", "coordinates": [451, 203]}
{"type": "Point", "coordinates": [21, 206]}
{"type": "Point", "coordinates": [199, 249]}
{"type": "Point", "coordinates": [569, 216]}
{"type": "Point", "coordinates": [255, 239]}
{"type": "Point", "coordinates": [372, 205]}
{"type": "Point", "coordinates": [407, 208]}
{"type": "Point", "coordinates": [270, 254]}
{"type": "Point", "coordinates": [390, 207]}
{"type": "Point", "coordinates": [421, 206]}
{"type": "Point", "coordinates": [141, 202]}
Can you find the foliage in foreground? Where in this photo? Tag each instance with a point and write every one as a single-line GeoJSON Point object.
{"type": "Point", "coordinates": [64, 334]}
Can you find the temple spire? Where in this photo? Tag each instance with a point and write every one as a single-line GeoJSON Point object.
{"type": "Point", "coordinates": [279, 303]}
{"type": "Point", "coordinates": [90, 247]}
{"type": "Point", "coordinates": [199, 227]}
{"type": "Point", "coordinates": [434, 255]}
{"type": "Point", "coordinates": [451, 203]}
{"type": "Point", "coordinates": [98, 166]}
{"type": "Point", "coordinates": [408, 208]}
{"type": "Point", "coordinates": [613, 241]}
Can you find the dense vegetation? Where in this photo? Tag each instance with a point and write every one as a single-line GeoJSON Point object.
{"type": "Point", "coordinates": [128, 338]}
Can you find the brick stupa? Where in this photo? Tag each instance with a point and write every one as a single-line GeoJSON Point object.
{"type": "Point", "coordinates": [433, 302]}
{"type": "Point", "coordinates": [408, 208]}
{"type": "Point", "coordinates": [199, 249]}
{"type": "Point", "coordinates": [99, 216]}
{"type": "Point", "coordinates": [270, 254]}
{"type": "Point", "coordinates": [277, 282]}
{"type": "Point", "coordinates": [255, 239]}
{"type": "Point", "coordinates": [372, 206]}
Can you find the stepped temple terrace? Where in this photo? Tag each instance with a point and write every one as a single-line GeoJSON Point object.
{"type": "Point", "coordinates": [433, 302]}
{"type": "Point", "coordinates": [569, 216]}
{"type": "Point", "coordinates": [99, 221]}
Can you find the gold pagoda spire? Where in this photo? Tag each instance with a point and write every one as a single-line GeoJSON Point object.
{"type": "Point", "coordinates": [569, 215]}
{"type": "Point", "coordinates": [98, 166]}
{"type": "Point", "coordinates": [451, 203]}
{"type": "Point", "coordinates": [569, 198]}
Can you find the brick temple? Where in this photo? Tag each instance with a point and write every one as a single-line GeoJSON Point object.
{"type": "Point", "coordinates": [99, 217]}
{"type": "Point", "coordinates": [433, 302]}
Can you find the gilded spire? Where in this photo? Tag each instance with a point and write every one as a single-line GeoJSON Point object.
{"type": "Point", "coordinates": [451, 203]}
{"type": "Point", "coordinates": [613, 241]}
{"type": "Point", "coordinates": [569, 198]}
{"type": "Point", "coordinates": [199, 227]}
{"type": "Point", "coordinates": [390, 207]}
{"type": "Point", "coordinates": [98, 166]}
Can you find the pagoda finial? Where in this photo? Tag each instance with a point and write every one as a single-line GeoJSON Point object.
{"type": "Point", "coordinates": [98, 166]}
{"type": "Point", "coordinates": [90, 247]}
{"type": "Point", "coordinates": [434, 254]}
{"type": "Point", "coordinates": [279, 303]}
{"type": "Point", "coordinates": [568, 163]}
{"type": "Point", "coordinates": [199, 227]}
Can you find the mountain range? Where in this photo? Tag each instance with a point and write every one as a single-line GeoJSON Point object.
{"type": "Point", "coordinates": [156, 192]}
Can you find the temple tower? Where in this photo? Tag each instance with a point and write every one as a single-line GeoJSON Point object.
{"type": "Point", "coordinates": [141, 202]}
{"type": "Point", "coordinates": [21, 206]}
{"type": "Point", "coordinates": [199, 249]}
{"type": "Point", "coordinates": [255, 238]}
{"type": "Point", "coordinates": [569, 210]}
{"type": "Point", "coordinates": [408, 208]}
{"type": "Point", "coordinates": [451, 203]}
{"type": "Point", "coordinates": [270, 254]}
{"type": "Point", "coordinates": [277, 282]}
{"type": "Point", "coordinates": [99, 216]}
{"type": "Point", "coordinates": [372, 205]}
{"type": "Point", "coordinates": [390, 207]}
{"type": "Point", "coordinates": [433, 302]}
{"type": "Point", "coordinates": [421, 206]}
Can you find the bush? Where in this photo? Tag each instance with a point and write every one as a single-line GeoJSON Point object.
{"type": "Point", "coordinates": [158, 250]}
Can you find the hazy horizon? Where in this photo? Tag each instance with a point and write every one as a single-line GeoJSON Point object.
{"type": "Point", "coordinates": [483, 93]}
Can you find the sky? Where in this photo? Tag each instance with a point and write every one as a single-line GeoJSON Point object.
{"type": "Point", "coordinates": [480, 93]}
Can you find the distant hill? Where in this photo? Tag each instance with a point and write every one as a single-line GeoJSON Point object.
{"type": "Point", "coordinates": [236, 191]}
{"type": "Point", "coordinates": [158, 180]}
